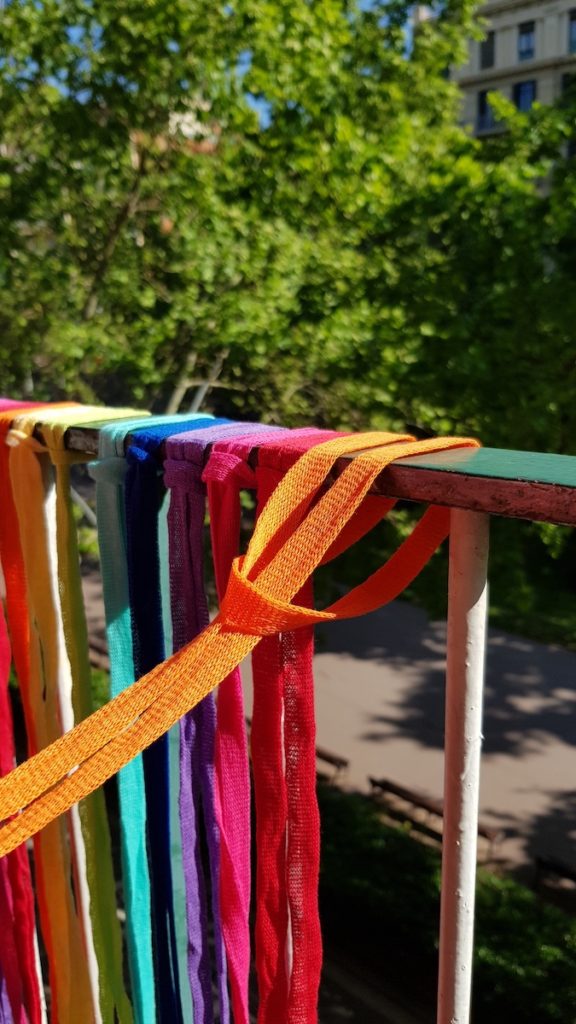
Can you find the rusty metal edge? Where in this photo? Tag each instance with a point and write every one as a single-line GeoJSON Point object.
{"type": "Point", "coordinates": [516, 499]}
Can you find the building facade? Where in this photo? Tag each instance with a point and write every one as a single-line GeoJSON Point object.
{"type": "Point", "coordinates": [528, 54]}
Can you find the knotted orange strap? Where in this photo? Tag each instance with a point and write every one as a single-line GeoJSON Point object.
{"type": "Point", "coordinates": [289, 541]}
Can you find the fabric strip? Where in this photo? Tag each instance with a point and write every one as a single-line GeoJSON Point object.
{"type": "Point", "coordinates": [109, 473]}
{"type": "Point", "coordinates": [68, 979]}
{"type": "Point", "coordinates": [64, 916]}
{"type": "Point", "coordinates": [226, 472]}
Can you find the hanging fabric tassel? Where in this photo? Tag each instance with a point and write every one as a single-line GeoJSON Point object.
{"type": "Point", "coordinates": [109, 473]}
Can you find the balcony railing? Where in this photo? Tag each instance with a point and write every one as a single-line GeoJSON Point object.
{"type": "Point", "coordinates": [475, 484]}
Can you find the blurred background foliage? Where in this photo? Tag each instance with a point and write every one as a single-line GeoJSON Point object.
{"type": "Point", "coordinates": [380, 900]}
{"type": "Point", "coordinates": [278, 199]}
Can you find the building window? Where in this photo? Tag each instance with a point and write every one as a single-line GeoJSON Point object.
{"type": "Point", "coordinates": [526, 41]}
{"type": "Point", "coordinates": [524, 95]}
{"type": "Point", "coordinates": [568, 87]}
{"type": "Point", "coordinates": [484, 113]}
{"type": "Point", "coordinates": [572, 32]}
{"type": "Point", "coordinates": [487, 51]}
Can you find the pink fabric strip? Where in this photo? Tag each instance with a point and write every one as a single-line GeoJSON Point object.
{"type": "Point", "coordinates": [225, 477]}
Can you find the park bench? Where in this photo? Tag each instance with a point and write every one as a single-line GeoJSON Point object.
{"type": "Point", "coordinates": [335, 761]}
{"type": "Point", "coordinates": [400, 796]}
{"type": "Point", "coordinates": [547, 866]}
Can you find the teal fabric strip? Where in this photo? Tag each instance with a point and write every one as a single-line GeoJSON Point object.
{"type": "Point", "coordinates": [176, 853]}
{"type": "Point", "coordinates": [109, 473]}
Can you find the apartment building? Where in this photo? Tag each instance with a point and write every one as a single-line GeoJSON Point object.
{"type": "Point", "coordinates": [528, 54]}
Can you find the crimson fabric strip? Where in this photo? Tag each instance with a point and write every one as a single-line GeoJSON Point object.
{"type": "Point", "coordinates": [143, 492]}
{"type": "Point", "coordinates": [183, 472]}
{"type": "Point", "coordinates": [226, 475]}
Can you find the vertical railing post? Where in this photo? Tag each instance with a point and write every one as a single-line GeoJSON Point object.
{"type": "Point", "coordinates": [467, 604]}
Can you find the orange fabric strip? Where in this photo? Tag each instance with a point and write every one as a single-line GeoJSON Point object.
{"type": "Point", "coordinates": [289, 541]}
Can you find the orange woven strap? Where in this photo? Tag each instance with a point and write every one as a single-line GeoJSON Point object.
{"type": "Point", "coordinates": [292, 536]}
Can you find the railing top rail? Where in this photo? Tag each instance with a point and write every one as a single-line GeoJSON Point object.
{"type": "Point", "coordinates": [521, 485]}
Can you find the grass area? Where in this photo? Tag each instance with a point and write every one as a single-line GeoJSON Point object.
{"type": "Point", "coordinates": [100, 687]}
{"type": "Point", "coordinates": [380, 899]}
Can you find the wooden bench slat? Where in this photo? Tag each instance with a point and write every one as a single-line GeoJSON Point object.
{"type": "Point", "coordinates": [428, 804]}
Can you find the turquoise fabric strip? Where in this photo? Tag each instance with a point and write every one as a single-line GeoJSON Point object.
{"type": "Point", "coordinates": [109, 473]}
{"type": "Point", "coordinates": [176, 853]}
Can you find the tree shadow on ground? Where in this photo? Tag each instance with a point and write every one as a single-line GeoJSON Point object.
{"type": "Point", "coordinates": [552, 833]}
{"type": "Point", "coordinates": [530, 697]}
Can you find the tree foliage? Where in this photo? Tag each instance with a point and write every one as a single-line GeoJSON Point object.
{"type": "Point", "coordinates": [283, 192]}
{"type": "Point", "coordinates": [282, 182]}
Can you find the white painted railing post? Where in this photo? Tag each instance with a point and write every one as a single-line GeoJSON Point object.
{"type": "Point", "coordinates": [467, 605]}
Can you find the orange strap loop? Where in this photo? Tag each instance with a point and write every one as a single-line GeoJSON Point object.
{"type": "Point", "coordinates": [293, 534]}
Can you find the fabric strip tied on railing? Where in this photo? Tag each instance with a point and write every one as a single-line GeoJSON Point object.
{"type": "Point", "coordinates": [289, 541]}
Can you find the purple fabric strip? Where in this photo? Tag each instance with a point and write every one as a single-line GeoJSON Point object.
{"type": "Point", "coordinates": [5, 1011]}
{"type": "Point", "coordinates": [185, 457]}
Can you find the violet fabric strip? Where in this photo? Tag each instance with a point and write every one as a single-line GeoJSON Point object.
{"type": "Point", "coordinates": [182, 474]}
{"type": "Point", "coordinates": [5, 1011]}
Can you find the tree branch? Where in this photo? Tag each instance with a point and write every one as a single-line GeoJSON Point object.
{"type": "Point", "coordinates": [184, 382]}
{"type": "Point", "coordinates": [123, 215]}
{"type": "Point", "coordinates": [208, 384]}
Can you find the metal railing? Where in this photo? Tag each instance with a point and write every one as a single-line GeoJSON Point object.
{"type": "Point", "coordinates": [475, 484]}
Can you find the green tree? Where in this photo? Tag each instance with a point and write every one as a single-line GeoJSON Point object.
{"type": "Point", "coordinates": [283, 188]}
{"type": "Point", "coordinates": [153, 219]}
{"type": "Point", "coordinates": [280, 194]}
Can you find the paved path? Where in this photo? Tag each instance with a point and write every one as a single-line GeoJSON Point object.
{"type": "Point", "coordinates": [380, 697]}
{"type": "Point", "coordinates": [380, 702]}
